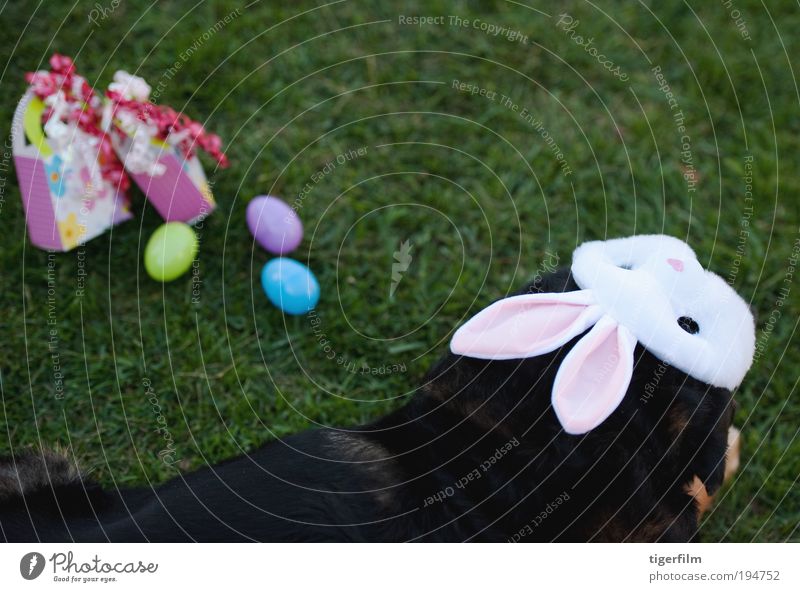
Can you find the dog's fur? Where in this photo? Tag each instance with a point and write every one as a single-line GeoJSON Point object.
{"type": "Point", "coordinates": [406, 476]}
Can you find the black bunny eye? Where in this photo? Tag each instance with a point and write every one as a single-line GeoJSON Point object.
{"type": "Point", "coordinates": [689, 325]}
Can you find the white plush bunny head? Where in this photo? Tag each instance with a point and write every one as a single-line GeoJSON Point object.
{"type": "Point", "coordinates": [648, 289]}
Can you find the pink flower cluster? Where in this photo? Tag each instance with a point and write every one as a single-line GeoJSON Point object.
{"type": "Point", "coordinates": [84, 110]}
{"type": "Point", "coordinates": [168, 121]}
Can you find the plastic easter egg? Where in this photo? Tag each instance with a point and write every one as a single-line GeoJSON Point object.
{"type": "Point", "coordinates": [170, 251]}
{"type": "Point", "coordinates": [274, 224]}
{"type": "Point", "coordinates": [290, 285]}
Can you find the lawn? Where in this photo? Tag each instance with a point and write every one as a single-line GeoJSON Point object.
{"type": "Point", "coordinates": [495, 137]}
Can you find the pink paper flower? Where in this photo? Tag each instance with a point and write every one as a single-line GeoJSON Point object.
{"type": "Point", "coordinates": [62, 64]}
{"type": "Point", "coordinates": [169, 124]}
{"type": "Point", "coordinates": [84, 111]}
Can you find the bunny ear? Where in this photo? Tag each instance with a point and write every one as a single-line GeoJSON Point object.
{"type": "Point", "coordinates": [525, 326]}
{"type": "Point", "coordinates": [594, 376]}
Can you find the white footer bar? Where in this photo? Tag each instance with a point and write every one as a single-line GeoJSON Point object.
{"type": "Point", "coordinates": [400, 568]}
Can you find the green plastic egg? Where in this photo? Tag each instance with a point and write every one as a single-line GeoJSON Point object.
{"type": "Point", "coordinates": [170, 251]}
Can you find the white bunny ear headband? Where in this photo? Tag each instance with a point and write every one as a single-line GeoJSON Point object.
{"type": "Point", "coordinates": [648, 289]}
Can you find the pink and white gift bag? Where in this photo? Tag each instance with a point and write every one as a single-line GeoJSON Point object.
{"type": "Point", "coordinates": [158, 148]}
{"type": "Point", "coordinates": [71, 186]}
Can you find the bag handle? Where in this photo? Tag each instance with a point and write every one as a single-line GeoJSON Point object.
{"type": "Point", "coordinates": [27, 136]}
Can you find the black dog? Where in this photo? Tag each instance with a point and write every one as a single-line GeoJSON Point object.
{"type": "Point", "coordinates": [476, 455]}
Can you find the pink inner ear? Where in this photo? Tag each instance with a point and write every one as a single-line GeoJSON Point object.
{"type": "Point", "coordinates": [594, 377]}
{"type": "Point", "coordinates": [524, 326]}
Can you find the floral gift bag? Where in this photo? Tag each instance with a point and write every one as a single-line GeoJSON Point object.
{"type": "Point", "coordinates": [73, 185]}
{"type": "Point", "coordinates": [158, 148]}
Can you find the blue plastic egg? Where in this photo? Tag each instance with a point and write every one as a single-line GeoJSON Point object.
{"type": "Point", "coordinates": [290, 285]}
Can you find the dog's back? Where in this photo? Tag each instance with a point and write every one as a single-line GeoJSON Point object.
{"type": "Point", "coordinates": [476, 454]}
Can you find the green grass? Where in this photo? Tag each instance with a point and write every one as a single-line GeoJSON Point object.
{"type": "Point", "coordinates": [472, 186]}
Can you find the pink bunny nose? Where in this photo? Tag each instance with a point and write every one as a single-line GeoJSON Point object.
{"type": "Point", "coordinates": [676, 264]}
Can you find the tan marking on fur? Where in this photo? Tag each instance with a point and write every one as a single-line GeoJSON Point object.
{"type": "Point", "coordinates": [473, 410]}
{"type": "Point", "coordinates": [616, 530]}
{"type": "Point", "coordinates": [378, 465]}
{"type": "Point", "coordinates": [698, 490]}
{"type": "Point", "coordinates": [677, 419]}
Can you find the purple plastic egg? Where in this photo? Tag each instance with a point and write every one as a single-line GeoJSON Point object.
{"type": "Point", "coordinates": [274, 224]}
